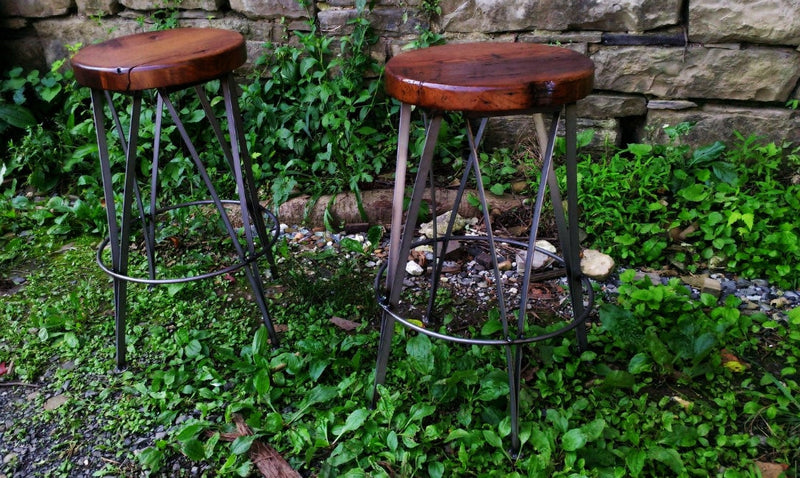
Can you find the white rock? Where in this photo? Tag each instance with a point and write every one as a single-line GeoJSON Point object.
{"type": "Point", "coordinates": [442, 221]}
{"type": "Point", "coordinates": [539, 261]}
{"type": "Point", "coordinates": [414, 269]}
{"type": "Point", "coordinates": [596, 265]}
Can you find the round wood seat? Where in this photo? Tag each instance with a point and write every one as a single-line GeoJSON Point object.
{"type": "Point", "coordinates": [489, 77]}
{"type": "Point", "coordinates": [159, 59]}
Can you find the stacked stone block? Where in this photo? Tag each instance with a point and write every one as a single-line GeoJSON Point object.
{"type": "Point", "coordinates": [725, 65]}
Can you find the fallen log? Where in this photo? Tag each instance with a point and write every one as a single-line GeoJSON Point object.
{"type": "Point", "coordinates": [377, 205]}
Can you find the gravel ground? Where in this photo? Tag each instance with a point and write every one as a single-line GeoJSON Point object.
{"type": "Point", "coordinates": [30, 447]}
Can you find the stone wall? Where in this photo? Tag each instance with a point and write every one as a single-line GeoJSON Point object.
{"type": "Point", "coordinates": [723, 64]}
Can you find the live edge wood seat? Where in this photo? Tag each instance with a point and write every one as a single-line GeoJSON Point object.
{"type": "Point", "coordinates": [165, 62]}
{"type": "Point", "coordinates": [482, 80]}
{"type": "Point", "coordinates": [490, 77]}
{"type": "Point", "coordinates": [160, 59]}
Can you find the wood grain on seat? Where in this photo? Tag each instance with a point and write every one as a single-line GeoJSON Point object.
{"type": "Point", "coordinates": [159, 59]}
{"type": "Point", "coordinates": [489, 77]}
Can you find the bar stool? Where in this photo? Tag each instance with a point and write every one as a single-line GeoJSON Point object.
{"type": "Point", "coordinates": [482, 80]}
{"type": "Point", "coordinates": [163, 63]}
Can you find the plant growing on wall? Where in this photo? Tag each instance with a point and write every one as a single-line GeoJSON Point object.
{"type": "Point", "coordinates": [315, 116]}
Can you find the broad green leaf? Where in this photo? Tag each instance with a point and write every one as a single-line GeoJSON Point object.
{"type": "Point", "coordinates": [696, 192]}
{"type": "Point", "coordinates": [354, 420]}
{"type": "Point", "coordinates": [391, 441]}
{"type": "Point", "coordinates": [261, 381]}
{"type": "Point", "coordinates": [492, 438]}
{"type": "Point", "coordinates": [456, 434]}
{"type": "Point", "coordinates": [634, 460]}
{"type": "Point", "coordinates": [261, 341]}
{"type": "Point", "coordinates": [658, 351]}
{"type": "Point", "coordinates": [619, 379]}
{"type": "Point", "coordinates": [639, 363]}
{"type": "Point", "coordinates": [16, 115]}
{"type": "Point", "coordinates": [574, 439]}
{"type": "Point", "coordinates": [708, 153]}
{"type": "Point", "coordinates": [639, 149]}
{"type": "Point", "coordinates": [435, 469]}
{"type": "Point", "coordinates": [190, 431]}
{"type": "Point", "coordinates": [420, 411]}
{"type": "Point", "coordinates": [193, 449]}
{"type": "Point", "coordinates": [352, 245]}
{"type": "Point", "coordinates": [493, 386]}
{"type": "Point", "coordinates": [497, 189]}
{"type": "Point", "coordinates": [794, 316]}
{"type": "Point", "coordinates": [242, 444]}
{"type": "Point", "coordinates": [316, 367]}
{"type": "Point", "coordinates": [725, 172]}
{"type": "Point", "coordinates": [244, 470]}
{"type": "Point", "coordinates": [492, 326]}
{"type": "Point", "coordinates": [151, 458]}
{"type": "Point", "coordinates": [419, 350]}
{"type": "Point", "coordinates": [321, 394]}
{"type": "Point", "coordinates": [273, 422]}
{"type": "Point", "coordinates": [669, 457]}
{"type": "Point", "coordinates": [71, 340]}
{"type": "Point", "coordinates": [193, 348]}
{"type": "Point", "coordinates": [211, 444]}
{"type": "Point", "coordinates": [703, 345]}
{"type": "Point", "coordinates": [594, 429]}
{"type": "Point", "coordinates": [173, 289]}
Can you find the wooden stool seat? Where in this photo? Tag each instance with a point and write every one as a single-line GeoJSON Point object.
{"type": "Point", "coordinates": [489, 77]}
{"type": "Point", "coordinates": [160, 59]}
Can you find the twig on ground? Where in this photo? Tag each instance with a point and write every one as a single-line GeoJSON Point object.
{"type": "Point", "coordinates": [18, 384]}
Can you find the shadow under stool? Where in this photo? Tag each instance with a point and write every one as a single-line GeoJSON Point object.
{"type": "Point", "coordinates": [160, 69]}
{"type": "Point", "coordinates": [482, 80]}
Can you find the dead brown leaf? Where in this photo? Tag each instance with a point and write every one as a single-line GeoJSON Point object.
{"type": "Point", "coordinates": [344, 324]}
{"type": "Point", "coordinates": [268, 461]}
{"type": "Point", "coordinates": [771, 470]}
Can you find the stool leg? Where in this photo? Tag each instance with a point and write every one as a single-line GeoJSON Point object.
{"type": "Point", "coordinates": [250, 272]}
{"type": "Point", "coordinates": [248, 201]}
{"type": "Point", "coordinates": [513, 353]}
{"type": "Point", "coordinates": [568, 232]}
{"type": "Point", "coordinates": [119, 233]}
{"type": "Point", "coordinates": [234, 118]}
{"type": "Point", "coordinates": [573, 264]}
{"type": "Point", "coordinates": [401, 237]}
{"type": "Point", "coordinates": [148, 225]}
{"type": "Point", "coordinates": [514, 357]}
{"type": "Point", "coordinates": [471, 162]}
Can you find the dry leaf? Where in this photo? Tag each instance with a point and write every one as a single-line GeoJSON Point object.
{"type": "Point", "coordinates": [345, 324]}
{"type": "Point", "coordinates": [686, 404]}
{"type": "Point", "coordinates": [732, 362]}
{"type": "Point", "coordinates": [771, 470]}
{"type": "Point", "coordinates": [268, 461]}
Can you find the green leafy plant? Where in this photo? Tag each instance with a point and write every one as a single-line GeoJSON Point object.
{"type": "Point", "coordinates": [318, 120]}
{"type": "Point", "coordinates": [697, 207]}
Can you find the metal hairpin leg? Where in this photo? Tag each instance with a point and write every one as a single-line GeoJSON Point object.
{"type": "Point", "coordinates": [400, 244]}
{"type": "Point", "coordinates": [120, 231]}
